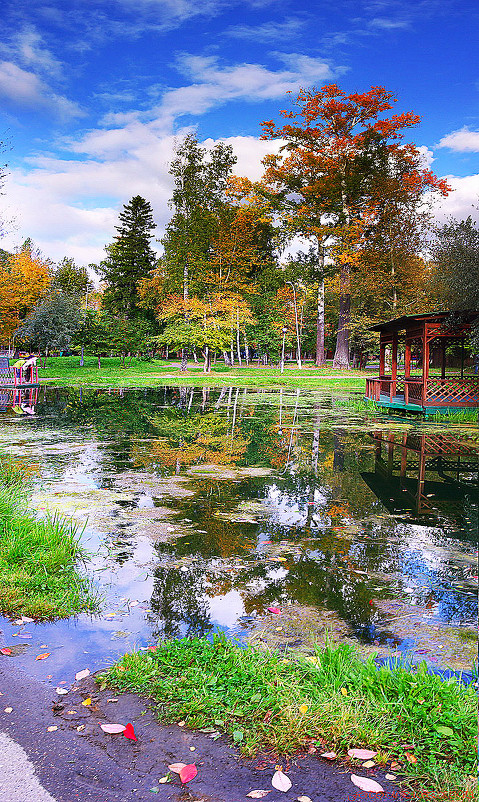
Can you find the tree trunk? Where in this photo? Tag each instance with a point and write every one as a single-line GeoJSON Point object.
{"type": "Point", "coordinates": [226, 359]}
{"type": "Point", "coordinates": [238, 346]}
{"type": "Point", "coordinates": [320, 326]}
{"type": "Point", "coordinates": [246, 350]}
{"type": "Point", "coordinates": [99, 361]}
{"type": "Point", "coordinates": [195, 356]}
{"type": "Point", "coordinates": [341, 355]}
{"type": "Point", "coordinates": [184, 360]}
{"type": "Point", "coordinates": [82, 361]}
{"type": "Point", "coordinates": [207, 362]}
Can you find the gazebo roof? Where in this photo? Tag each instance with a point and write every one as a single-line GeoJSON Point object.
{"type": "Point", "coordinates": [407, 321]}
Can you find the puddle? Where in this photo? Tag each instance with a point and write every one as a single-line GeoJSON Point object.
{"type": "Point", "coordinates": [202, 508]}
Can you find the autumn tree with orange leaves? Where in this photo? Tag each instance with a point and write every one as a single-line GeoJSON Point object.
{"type": "Point", "coordinates": [24, 277]}
{"type": "Point", "coordinates": [344, 174]}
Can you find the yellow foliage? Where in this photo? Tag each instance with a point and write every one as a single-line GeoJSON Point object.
{"type": "Point", "coordinates": [23, 280]}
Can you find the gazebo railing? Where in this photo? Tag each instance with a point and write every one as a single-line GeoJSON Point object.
{"type": "Point", "coordinates": [450, 391]}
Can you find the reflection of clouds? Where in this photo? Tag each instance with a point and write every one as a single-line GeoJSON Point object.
{"type": "Point", "coordinates": [225, 610]}
{"type": "Point", "coordinates": [289, 511]}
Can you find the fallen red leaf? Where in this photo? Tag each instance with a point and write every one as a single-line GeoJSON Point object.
{"type": "Point", "coordinates": [6, 650]}
{"type": "Point", "coordinates": [188, 772]}
{"type": "Point", "coordinates": [274, 610]}
{"type": "Point", "coordinates": [129, 732]}
{"type": "Point", "coordinates": [43, 656]}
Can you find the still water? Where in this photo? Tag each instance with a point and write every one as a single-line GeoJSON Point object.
{"type": "Point", "coordinates": [201, 508]}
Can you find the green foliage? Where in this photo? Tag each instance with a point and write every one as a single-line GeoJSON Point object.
{"type": "Point", "coordinates": [71, 279]}
{"type": "Point", "coordinates": [200, 180]}
{"type": "Point", "coordinates": [349, 702]}
{"type": "Point", "coordinates": [130, 258]}
{"type": "Point", "coordinates": [52, 323]}
{"type": "Point", "coordinates": [38, 556]}
{"type": "Point", "coordinates": [456, 255]}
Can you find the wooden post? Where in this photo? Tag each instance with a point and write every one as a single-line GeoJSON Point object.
{"type": "Point", "coordinates": [443, 358]}
{"type": "Point", "coordinates": [382, 355]}
{"type": "Point", "coordinates": [407, 369]}
{"type": "Point", "coordinates": [462, 358]}
{"type": "Point", "coordinates": [394, 366]}
{"type": "Point", "coordinates": [425, 363]}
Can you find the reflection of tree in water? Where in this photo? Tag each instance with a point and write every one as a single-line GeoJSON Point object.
{"type": "Point", "coordinates": [179, 601]}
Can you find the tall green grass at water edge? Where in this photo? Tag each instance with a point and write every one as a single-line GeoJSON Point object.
{"type": "Point", "coordinates": [39, 577]}
{"type": "Point", "coordinates": [333, 700]}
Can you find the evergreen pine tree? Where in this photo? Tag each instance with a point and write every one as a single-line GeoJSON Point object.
{"type": "Point", "coordinates": [130, 258]}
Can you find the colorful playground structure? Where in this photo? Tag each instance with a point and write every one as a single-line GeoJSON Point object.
{"type": "Point", "coordinates": [21, 372]}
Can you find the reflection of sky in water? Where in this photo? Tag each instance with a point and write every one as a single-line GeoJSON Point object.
{"type": "Point", "coordinates": [338, 546]}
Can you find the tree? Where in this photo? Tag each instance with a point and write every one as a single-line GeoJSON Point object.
{"type": "Point", "coordinates": [343, 165]}
{"type": "Point", "coordinates": [130, 258]}
{"type": "Point", "coordinates": [51, 324]}
{"type": "Point", "coordinates": [24, 277]}
{"type": "Point", "coordinates": [200, 181]}
{"type": "Point", "coordinates": [94, 333]}
{"type": "Point", "coordinates": [455, 251]}
{"type": "Point", "coordinates": [72, 279]}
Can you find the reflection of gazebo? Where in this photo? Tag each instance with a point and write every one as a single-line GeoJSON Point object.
{"type": "Point", "coordinates": [425, 392]}
{"type": "Point", "coordinates": [422, 475]}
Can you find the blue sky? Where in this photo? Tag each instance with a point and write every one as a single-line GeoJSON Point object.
{"type": "Point", "coordinates": [93, 94]}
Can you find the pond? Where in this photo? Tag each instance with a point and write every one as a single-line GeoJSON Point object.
{"type": "Point", "coordinates": [202, 508]}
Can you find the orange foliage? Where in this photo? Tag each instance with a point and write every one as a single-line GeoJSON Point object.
{"type": "Point", "coordinates": [23, 281]}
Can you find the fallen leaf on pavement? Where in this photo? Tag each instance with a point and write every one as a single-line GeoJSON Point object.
{"type": "Point", "coordinates": [80, 727]}
{"type": "Point", "coordinates": [258, 794]}
{"type": "Point", "coordinates": [390, 776]}
{"type": "Point", "coordinates": [43, 656]}
{"type": "Point", "coordinates": [51, 729]}
{"type": "Point", "coordinates": [304, 799]}
{"type": "Point", "coordinates": [82, 674]}
{"type": "Point", "coordinates": [280, 781]}
{"type": "Point", "coordinates": [5, 651]}
{"type": "Point", "coordinates": [8, 709]}
{"type": "Point", "coordinates": [368, 764]}
{"type": "Point", "coordinates": [274, 610]}
{"type": "Point", "coordinates": [112, 729]}
{"type": "Point", "coordinates": [329, 755]}
{"type": "Point", "coordinates": [61, 691]}
{"type": "Point", "coordinates": [176, 767]}
{"type": "Point", "coordinates": [365, 784]}
{"type": "Point", "coordinates": [86, 702]}
{"type": "Point", "coordinates": [129, 732]}
{"type": "Point", "coordinates": [188, 772]}
{"type": "Point", "coordinates": [362, 754]}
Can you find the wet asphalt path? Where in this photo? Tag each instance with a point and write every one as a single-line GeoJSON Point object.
{"type": "Point", "coordinates": [68, 765]}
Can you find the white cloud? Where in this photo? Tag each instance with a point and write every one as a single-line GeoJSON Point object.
{"type": "Point", "coordinates": [268, 31]}
{"type": "Point", "coordinates": [388, 24]}
{"type": "Point", "coordinates": [33, 53]}
{"type": "Point", "coordinates": [70, 207]}
{"type": "Point", "coordinates": [462, 202]}
{"type": "Point", "coordinates": [462, 141]}
{"type": "Point", "coordinates": [213, 85]}
{"type": "Point", "coordinates": [26, 89]}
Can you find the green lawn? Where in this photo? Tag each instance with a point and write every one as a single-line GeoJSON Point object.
{"type": "Point", "coordinates": [332, 700]}
{"type": "Point", "coordinates": [66, 371]}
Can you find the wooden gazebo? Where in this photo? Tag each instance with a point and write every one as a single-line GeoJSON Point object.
{"type": "Point", "coordinates": [425, 391]}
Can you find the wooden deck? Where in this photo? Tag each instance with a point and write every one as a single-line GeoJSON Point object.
{"type": "Point", "coordinates": [414, 395]}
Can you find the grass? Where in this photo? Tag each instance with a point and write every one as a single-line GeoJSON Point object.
{"type": "Point", "coordinates": [66, 371]}
{"type": "Point", "coordinates": [256, 697]}
{"type": "Point", "coordinates": [38, 556]}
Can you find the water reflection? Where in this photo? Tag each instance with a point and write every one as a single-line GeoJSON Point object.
{"type": "Point", "coordinates": [208, 506]}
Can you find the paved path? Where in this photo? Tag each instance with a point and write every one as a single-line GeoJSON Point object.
{"type": "Point", "coordinates": [70, 764]}
{"type": "Point", "coordinates": [18, 780]}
